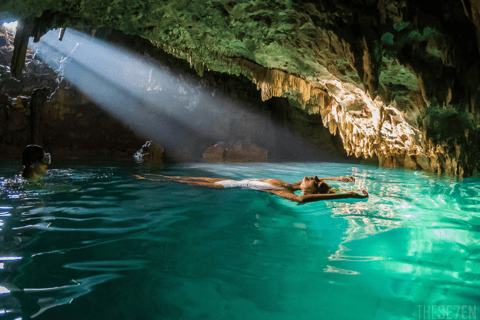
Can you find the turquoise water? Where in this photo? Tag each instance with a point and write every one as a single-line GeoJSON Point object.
{"type": "Point", "coordinates": [92, 242]}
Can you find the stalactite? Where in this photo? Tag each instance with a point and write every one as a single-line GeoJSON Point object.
{"type": "Point", "coordinates": [22, 35]}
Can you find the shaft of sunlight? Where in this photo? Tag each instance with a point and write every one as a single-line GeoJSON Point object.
{"type": "Point", "coordinates": [145, 96]}
{"type": "Point", "coordinates": [169, 108]}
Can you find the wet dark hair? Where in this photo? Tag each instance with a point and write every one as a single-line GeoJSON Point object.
{"type": "Point", "coordinates": [32, 154]}
{"type": "Point", "coordinates": [323, 188]}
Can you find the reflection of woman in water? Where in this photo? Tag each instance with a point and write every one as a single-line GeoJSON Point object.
{"type": "Point", "coordinates": [313, 188]}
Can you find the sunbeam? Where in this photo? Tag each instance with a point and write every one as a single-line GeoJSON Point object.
{"type": "Point", "coordinates": [157, 103]}
{"type": "Point", "coordinates": [151, 101]}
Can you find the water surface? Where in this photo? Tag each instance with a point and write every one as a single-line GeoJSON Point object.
{"type": "Point", "coordinates": [92, 242]}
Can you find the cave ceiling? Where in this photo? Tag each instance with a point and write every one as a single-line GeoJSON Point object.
{"type": "Point", "coordinates": [397, 80]}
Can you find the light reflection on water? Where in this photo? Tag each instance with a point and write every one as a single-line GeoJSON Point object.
{"type": "Point", "coordinates": [92, 242]}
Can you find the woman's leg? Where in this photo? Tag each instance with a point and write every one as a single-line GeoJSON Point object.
{"type": "Point", "coordinates": [190, 179]}
{"type": "Point", "coordinates": [193, 181]}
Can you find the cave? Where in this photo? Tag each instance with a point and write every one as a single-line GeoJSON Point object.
{"type": "Point", "coordinates": [383, 90]}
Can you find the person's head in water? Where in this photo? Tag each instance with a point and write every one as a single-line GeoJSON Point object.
{"type": "Point", "coordinates": [35, 161]}
{"type": "Point", "coordinates": [313, 185]}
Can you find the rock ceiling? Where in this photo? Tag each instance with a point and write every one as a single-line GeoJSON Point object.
{"type": "Point", "coordinates": [397, 80]}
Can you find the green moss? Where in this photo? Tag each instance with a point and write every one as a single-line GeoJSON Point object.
{"type": "Point", "coordinates": [387, 38]}
{"type": "Point", "coordinates": [401, 25]}
{"type": "Point", "coordinates": [398, 75]}
{"type": "Point", "coordinates": [341, 63]}
{"type": "Point", "coordinates": [448, 125]}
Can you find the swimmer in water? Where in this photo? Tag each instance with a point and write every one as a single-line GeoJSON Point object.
{"type": "Point", "coordinates": [35, 162]}
{"type": "Point", "coordinates": [313, 188]}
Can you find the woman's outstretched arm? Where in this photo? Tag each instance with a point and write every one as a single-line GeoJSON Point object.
{"type": "Point", "coordinates": [331, 196]}
{"type": "Point", "coordinates": [317, 197]}
{"type": "Point", "coordinates": [341, 178]}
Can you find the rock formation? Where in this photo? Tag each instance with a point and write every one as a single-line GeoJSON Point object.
{"type": "Point", "coordinates": [237, 151]}
{"type": "Point", "coordinates": [151, 152]}
{"type": "Point", "coordinates": [215, 153]}
{"type": "Point", "coordinates": [396, 80]}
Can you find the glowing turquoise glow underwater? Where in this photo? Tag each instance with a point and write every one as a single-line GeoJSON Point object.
{"type": "Point", "coordinates": [92, 242]}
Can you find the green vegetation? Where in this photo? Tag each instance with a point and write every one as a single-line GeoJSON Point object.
{"type": "Point", "coordinates": [448, 125]}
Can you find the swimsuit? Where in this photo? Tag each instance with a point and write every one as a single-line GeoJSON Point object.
{"type": "Point", "coordinates": [247, 184]}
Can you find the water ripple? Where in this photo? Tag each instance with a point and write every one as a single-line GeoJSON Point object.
{"type": "Point", "coordinates": [117, 265]}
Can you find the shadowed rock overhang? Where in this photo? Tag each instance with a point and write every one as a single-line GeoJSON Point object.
{"type": "Point", "coordinates": [397, 80]}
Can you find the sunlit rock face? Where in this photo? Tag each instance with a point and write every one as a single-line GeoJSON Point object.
{"type": "Point", "coordinates": [396, 80]}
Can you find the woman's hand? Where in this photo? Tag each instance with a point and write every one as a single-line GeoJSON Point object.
{"type": "Point", "coordinates": [354, 194]}
{"type": "Point", "coordinates": [345, 179]}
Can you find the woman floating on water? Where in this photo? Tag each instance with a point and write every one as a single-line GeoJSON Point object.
{"type": "Point", "coordinates": [313, 188]}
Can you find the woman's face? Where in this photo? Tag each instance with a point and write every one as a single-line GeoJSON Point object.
{"type": "Point", "coordinates": [309, 185]}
